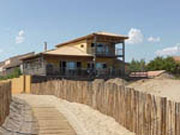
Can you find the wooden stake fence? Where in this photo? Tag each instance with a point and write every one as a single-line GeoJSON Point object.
{"type": "Point", "coordinates": [5, 99]}
{"type": "Point", "coordinates": [142, 113]}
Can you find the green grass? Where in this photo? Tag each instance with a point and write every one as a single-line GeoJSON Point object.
{"type": "Point", "coordinates": [15, 74]}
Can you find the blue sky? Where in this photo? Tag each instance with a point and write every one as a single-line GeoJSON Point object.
{"type": "Point", "coordinates": [153, 25]}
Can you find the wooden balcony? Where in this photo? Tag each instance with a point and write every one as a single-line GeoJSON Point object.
{"type": "Point", "coordinates": [106, 53]}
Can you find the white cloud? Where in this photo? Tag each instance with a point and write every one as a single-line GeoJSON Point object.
{"type": "Point", "coordinates": [20, 37]}
{"type": "Point", "coordinates": [154, 39]}
{"type": "Point", "coordinates": [169, 51]}
{"type": "Point", "coordinates": [135, 36]}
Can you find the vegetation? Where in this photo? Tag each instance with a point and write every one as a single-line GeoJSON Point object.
{"type": "Point", "coordinates": [136, 65]}
{"type": "Point", "coordinates": [168, 64]}
{"type": "Point", "coordinates": [159, 63]}
{"type": "Point", "coordinates": [16, 73]}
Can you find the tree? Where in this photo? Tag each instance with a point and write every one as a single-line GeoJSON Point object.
{"type": "Point", "coordinates": [160, 63]}
{"type": "Point", "coordinates": [136, 65]}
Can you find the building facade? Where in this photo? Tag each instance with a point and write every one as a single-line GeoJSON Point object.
{"type": "Point", "coordinates": [97, 55]}
{"type": "Point", "coordinates": [8, 66]}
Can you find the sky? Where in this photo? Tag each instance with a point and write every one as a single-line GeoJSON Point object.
{"type": "Point", "coordinates": [153, 26]}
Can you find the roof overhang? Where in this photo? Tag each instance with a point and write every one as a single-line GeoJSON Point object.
{"type": "Point", "coordinates": [116, 38]}
{"type": "Point", "coordinates": [46, 54]}
{"type": "Point", "coordinates": [57, 55]}
{"type": "Point", "coordinates": [30, 57]}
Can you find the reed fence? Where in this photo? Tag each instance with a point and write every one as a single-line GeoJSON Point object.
{"type": "Point", "coordinates": [5, 100]}
{"type": "Point", "coordinates": [141, 113]}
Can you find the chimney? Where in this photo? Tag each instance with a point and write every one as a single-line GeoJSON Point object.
{"type": "Point", "coordinates": [45, 46]}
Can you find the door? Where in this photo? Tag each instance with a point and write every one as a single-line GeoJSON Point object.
{"type": "Point", "coordinates": [62, 67]}
{"type": "Point", "coordinates": [79, 65]}
{"type": "Point", "coordinates": [79, 70]}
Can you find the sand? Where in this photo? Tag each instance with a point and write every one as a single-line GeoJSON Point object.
{"type": "Point", "coordinates": [20, 120]}
{"type": "Point", "coordinates": [161, 87]}
{"type": "Point", "coordinates": [83, 119]}
{"type": "Point", "coordinates": [117, 81]}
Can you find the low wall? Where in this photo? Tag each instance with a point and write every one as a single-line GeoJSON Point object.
{"type": "Point", "coordinates": [141, 113]}
{"type": "Point", "coordinates": [21, 84]}
{"type": "Point", "coordinates": [5, 99]}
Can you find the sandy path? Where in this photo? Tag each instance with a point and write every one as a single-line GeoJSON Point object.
{"type": "Point", "coordinates": [84, 120]}
{"type": "Point", "coordinates": [37, 119]}
{"type": "Point", "coordinates": [52, 122]}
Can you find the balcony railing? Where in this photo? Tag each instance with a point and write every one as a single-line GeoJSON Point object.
{"type": "Point", "coordinates": [118, 52]}
{"type": "Point", "coordinates": [83, 73]}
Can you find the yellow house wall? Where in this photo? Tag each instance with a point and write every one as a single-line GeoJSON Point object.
{"type": "Point", "coordinates": [109, 44]}
{"type": "Point", "coordinates": [78, 45]}
{"type": "Point", "coordinates": [111, 62]}
{"type": "Point", "coordinates": [87, 45]}
{"type": "Point", "coordinates": [55, 60]}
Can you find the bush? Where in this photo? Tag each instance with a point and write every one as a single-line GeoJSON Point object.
{"type": "Point", "coordinates": [16, 73]}
{"type": "Point", "coordinates": [136, 65]}
{"type": "Point", "coordinates": [160, 63]}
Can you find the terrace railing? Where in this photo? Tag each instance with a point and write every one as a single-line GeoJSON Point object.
{"type": "Point", "coordinates": [84, 73]}
{"type": "Point", "coordinates": [118, 52]}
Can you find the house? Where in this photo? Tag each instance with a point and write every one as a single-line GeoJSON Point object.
{"type": "Point", "coordinates": [147, 74]}
{"type": "Point", "coordinates": [153, 74]}
{"type": "Point", "coordinates": [1, 68]}
{"type": "Point", "coordinates": [8, 66]}
{"type": "Point", "coordinates": [100, 55]}
{"type": "Point", "coordinates": [176, 59]}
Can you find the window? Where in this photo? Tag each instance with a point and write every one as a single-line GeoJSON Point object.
{"type": "Point", "coordinates": [101, 65]}
{"type": "Point", "coordinates": [71, 65]}
{"type": "Point", "coordinates": [90, 65]}
{"type": "Point", "coordinates": [92, 45]}
{"type": "Point", "coordinates": [78, 64]}
{"type": "Point", "coordinates": [49, 69]}
{"type": "Point", "coordinates": [82, 46]}
{"type": "Point", "coordinates": [104, 65]}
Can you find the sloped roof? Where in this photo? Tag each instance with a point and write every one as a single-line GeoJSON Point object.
{"type": "Point", "coordinates": [107, 34]}
{"type": "Point", "coordinates": [67, 51]}
{"type": "Point", "coordinates": [102, 33]}
{"type": "Point", "coordinates": [64, 51]}
{"type": "Point", "coordinates": [2, 63]}
{"type": "Point", "coordinates": [149, 74]}
{"type": "Point", "coordinates": [155, 73]}
{"type": "Point", "coordinates": [16, 60]}
{"type": "Point", "coordinates": [176, 58]}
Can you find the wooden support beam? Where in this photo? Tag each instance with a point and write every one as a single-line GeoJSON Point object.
{"type": "Point", "coordinates": [123, 58]}
{"type": "Point", "coordinates": [94, 55]}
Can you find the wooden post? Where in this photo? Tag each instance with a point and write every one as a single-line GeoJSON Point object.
{"type": "Point", "coordinates": [24, 84]}
{"type": "Point", "coordinates": [94, 55]}
{"type": "Point", "coordinates": [123, 58]}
